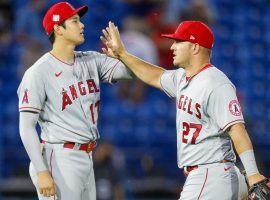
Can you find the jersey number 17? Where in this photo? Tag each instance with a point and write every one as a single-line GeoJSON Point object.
{"type": "Point", "coordinates": [92, 110]}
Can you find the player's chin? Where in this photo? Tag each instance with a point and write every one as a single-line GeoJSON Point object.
{"type": "Point", "coordinates": [80, 41]}
{"type": "Point", "coordinates": [178, 62]}
{"type": "Point", "coordinates": [175, 62]}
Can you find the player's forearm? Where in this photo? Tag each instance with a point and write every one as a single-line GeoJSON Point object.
{"type": "Point", "coordinates": [30, 139]}
{"type": "Point", "coordinates": [244, 149]}
{"type": "Point", "coordinates": [148, 73]}
{"type": "Point", "coordinates": [240, 138]}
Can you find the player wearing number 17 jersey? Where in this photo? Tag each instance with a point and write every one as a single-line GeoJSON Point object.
{"type": "Point", "coordinates": [209, 118]}
{"type": "Point", "coordinates": [62, 92]}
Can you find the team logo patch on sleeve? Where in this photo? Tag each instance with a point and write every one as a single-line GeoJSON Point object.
{"type": "Point", "coordinates": [25, 97]}
{"type": "Point", "coordinates": [235, 108]}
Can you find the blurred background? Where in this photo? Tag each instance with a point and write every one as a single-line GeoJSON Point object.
{"type": "Point", "coordinates": [136, 155]}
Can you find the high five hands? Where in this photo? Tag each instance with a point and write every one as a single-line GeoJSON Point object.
{"type": "Point", "coordinates": [112, 41]}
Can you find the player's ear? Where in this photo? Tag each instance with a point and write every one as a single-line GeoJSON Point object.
{"type": "Point", "coordinates": [57, 29]}
{"type": "Point", "coordinates": [195, 48]}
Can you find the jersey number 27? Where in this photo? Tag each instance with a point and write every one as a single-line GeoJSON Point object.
{"type": "Point", "coordinates": [187, 129]}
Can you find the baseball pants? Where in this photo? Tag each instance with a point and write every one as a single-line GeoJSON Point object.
{"type": "Point", "coordinates": [221, 181]}
{"type": "Point", "coordinates": [72, 172]}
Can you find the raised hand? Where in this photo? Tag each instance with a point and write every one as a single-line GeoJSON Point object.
{"type": "Point", "coordinates": [111, 39]}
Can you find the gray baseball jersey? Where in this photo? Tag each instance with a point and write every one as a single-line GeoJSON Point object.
{"type": "Point", "coordinates": [206, 106]}
{"type": "Point", "coordinates": [67, 96]}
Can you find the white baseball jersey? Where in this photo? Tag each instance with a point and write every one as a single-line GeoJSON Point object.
{"type": "Point", "coordinates": [206, 106]}
{"type": "Point", "coordinates": [67, 96]}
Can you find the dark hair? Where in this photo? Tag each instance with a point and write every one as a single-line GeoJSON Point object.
{"type": "Point", "coordinates": [52, 35]}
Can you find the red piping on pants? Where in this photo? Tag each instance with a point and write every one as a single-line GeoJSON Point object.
{"type": "Point", "coordinates": [51, 169]}
{"type": "Point", "coordinates": [203, 183]}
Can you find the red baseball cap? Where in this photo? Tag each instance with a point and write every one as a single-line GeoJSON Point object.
{"type": "Point", "coordinates": [194, 32]}
{"type": "Point", "coordinates": [60, 12]}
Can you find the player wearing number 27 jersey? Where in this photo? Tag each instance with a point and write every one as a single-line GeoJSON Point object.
{"type": "Point", "coordinates": [202, 139]}
{"type": "Point", "coordinates": [209, 118]}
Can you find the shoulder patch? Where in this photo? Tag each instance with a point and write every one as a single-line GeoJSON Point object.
{"type": "Point", "coordinates": [235, 108]}
{"type": "Point", "coordinates": [25, 97]}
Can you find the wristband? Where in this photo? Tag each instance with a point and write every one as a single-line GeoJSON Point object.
{"type": "Point", "coordinates": [249, 163]}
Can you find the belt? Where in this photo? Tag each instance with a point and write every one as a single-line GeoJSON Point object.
{"type": "Point", "coordinates": [87, 147]}
{"type": "Point", "coordinates": [188, 169]}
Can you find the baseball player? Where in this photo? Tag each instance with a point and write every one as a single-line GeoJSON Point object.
{"type": "Point", "coordinates": [61, 92]}
{"type": "Point", "coordinates": [209, 117]}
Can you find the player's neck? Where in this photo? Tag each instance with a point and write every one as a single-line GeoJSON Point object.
{"type": "Point", "coordinates": [195, 66]}
{"type": "Point", "coordinates": [63, 52]}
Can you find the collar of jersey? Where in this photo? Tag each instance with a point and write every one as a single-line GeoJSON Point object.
{"type": "Point", "coordinates": [69, 64]}
{"type": "Point", "coordinates": [204, 67]}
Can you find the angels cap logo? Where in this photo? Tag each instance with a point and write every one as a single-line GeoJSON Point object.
{"type": "Point", "coordinates": [235, 108]}
{"type": "Point", "coordinates": [192, 37]}
{"type": "Point", "coordinates": [56, 18]}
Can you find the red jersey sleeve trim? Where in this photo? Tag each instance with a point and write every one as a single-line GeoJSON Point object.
{"type": "Point", "coordinates": [232, 123]}
{"type": "Point", "coordinates": [111, 73]}
{"type": "Point", "coordinates": [29, 109]}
